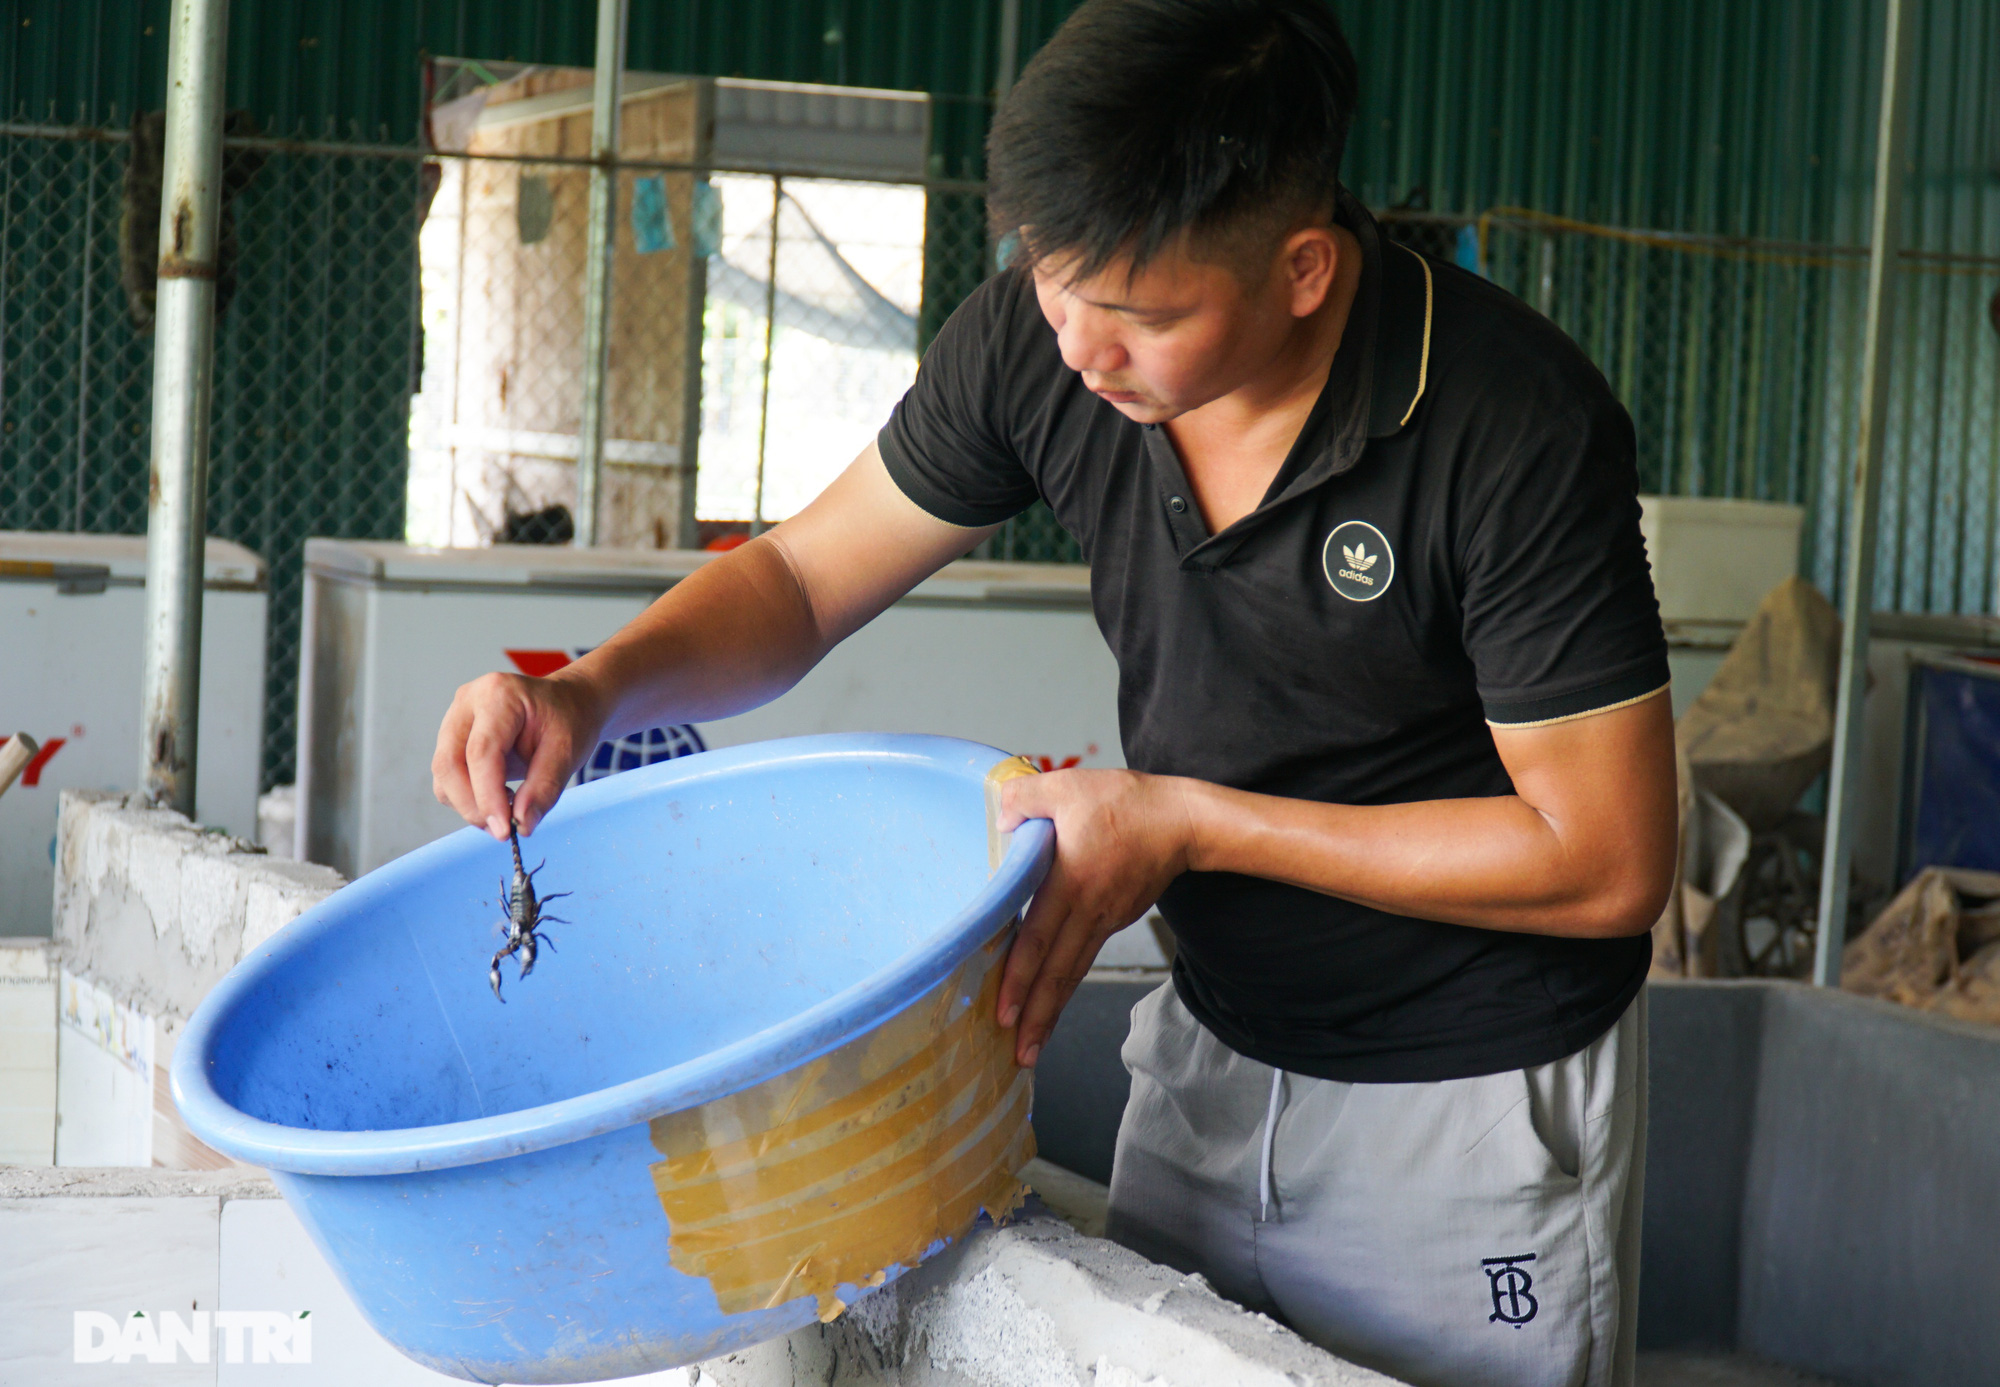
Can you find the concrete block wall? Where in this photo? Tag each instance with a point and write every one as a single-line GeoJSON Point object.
{"type": "Point", "coordinates": [1037, 1302]}
{"type": "Point", "coordinates": [150, 911]}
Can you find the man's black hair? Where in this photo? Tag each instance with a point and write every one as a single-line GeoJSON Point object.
{"type": "Point", "coordinates": [1142, 120]}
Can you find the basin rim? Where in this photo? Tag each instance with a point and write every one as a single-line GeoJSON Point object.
{"type": "Point", "coordinates": [823, 1027]}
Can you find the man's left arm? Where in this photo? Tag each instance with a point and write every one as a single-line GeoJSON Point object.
{"type": "Point", "coordinates": [1584, 848]}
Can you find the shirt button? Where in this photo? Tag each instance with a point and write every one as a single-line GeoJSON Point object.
{"type": "Point", "coordinates": [1176, 504]}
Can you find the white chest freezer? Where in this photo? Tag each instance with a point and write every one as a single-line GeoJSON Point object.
{"type": "Point", "coordinates": [72, 614]}
{"type": "Point", "coordinates": [1003, 653]}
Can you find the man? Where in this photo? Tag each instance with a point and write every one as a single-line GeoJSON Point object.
{"type": "Point", "coordinates": [1363, 537]}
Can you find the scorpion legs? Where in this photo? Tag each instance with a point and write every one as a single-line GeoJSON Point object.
{"type": "Point", "coordinates": [525, 916]}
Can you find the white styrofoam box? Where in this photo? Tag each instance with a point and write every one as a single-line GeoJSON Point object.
{"type": "Point", "coordinates": [1714, 560]}
{"type": "Point", "coordinates": [104, 1078]}
{"type": "Point", "coordinates": [1007, 654]}
{"type": "Point", "coordinates": [71, 680]}
{"type": "Point", "coordinates": [110, 1256]}
{"type": "Point", "coordinates": [27, 1052]}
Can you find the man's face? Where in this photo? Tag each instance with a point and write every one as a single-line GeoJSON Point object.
{"type": "Point", "coordinates": [1176, 336]}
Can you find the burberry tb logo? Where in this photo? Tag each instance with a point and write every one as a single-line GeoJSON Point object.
{"type": "Point", "coordinates": [1510, 1284]}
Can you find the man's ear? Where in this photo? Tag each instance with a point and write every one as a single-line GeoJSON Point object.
{"type": "Point", "coordinates": [1307, 263]}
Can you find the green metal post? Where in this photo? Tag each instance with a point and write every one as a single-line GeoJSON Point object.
{"type": "Point", "coordinates": [183, 380]}
{"type": "Point", "coordinates": [597, 272]}
{"type": "Point", "coordinates": [1858, 592]}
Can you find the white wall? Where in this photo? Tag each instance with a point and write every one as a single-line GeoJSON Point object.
{"type": "Point", "coordinates": [27, 1052]}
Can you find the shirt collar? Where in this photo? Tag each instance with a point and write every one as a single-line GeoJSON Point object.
{"type": "Point", "coordinates": [1382, 367]}
{"type": "Point", "coordinates": [1402, 354]}
{"type": "Point", "coordinates": [1380, 373]}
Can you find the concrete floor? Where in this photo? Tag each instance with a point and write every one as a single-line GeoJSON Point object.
{"type": "Point", "coordinates": [1720, 1370]}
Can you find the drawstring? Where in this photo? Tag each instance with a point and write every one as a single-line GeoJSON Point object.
{"type": "Point", "coordinates": [1270, 1141]}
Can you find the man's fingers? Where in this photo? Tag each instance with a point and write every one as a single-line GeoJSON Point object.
{"type": "Point", "coordinates": [449, 781]}
{"type": "Point", "coordinates": [486, 762]}
{"type": "Point", "coordinates": [1023, 798]}
{"type": "Point", "coordinates": [1061, 974]}
{"type": "Point", "coordinates": [550, 768]}
{"type": "Point", "coordinates": [1032, 943]}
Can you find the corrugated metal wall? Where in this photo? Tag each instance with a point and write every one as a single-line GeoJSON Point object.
{"type": "Point", "coordinates": [1752, 117]}
{"type": "Point", "coordinates": [1740, 117]}
{"type": "Point", "coordinates": [354, 63]}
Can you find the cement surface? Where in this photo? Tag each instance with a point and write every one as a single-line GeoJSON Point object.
{"type": "Point", "coordinates": [155, 909]}
{"type": "Point", "coordinates": [1077, 1200]}
{"type": "Point", "coordinates": [69, 1182]}
{"type": "Point", "coordinates": [1036, 1304]}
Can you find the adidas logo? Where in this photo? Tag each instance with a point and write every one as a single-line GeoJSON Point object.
{"type": "Point", "coordinates": [1355, 573]}
{"type": "Point", "coordinates": [1359, 561]}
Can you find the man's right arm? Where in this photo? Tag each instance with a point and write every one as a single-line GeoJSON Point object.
{"type": "Point", "coordinates": [736, 633]}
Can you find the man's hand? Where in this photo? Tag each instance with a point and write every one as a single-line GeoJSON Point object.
{"type": "Point", "coordinates": [501, 726]}
{"type": "Point", "coordinates": [1120, 838]}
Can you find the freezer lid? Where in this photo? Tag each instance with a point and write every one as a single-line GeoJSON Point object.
{"type": "Point", "coordinates": [506, 565]}
{"type": "Point", "coordinates": [532, 566]}
{"type": "Point", "coordinates": [230, 567]}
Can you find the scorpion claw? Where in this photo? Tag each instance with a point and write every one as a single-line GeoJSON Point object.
{"type": "Point", "coordinates": [494, 974]}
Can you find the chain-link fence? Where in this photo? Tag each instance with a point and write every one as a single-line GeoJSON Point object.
{"type": "Point", "coordinates": [1739, 360]}
{"type": "Point", "coordinates": [399, 351]}
{"type": "Point", "coordinates": [316, 352]}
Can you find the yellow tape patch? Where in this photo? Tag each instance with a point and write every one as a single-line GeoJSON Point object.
{"type": "Point", "coordinates": [856, 1162]}
{"type": "Point", "coordinates": [1013, 768]}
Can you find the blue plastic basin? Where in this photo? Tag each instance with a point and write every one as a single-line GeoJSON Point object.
{"type": "Point", "coordinates": [752, 933]}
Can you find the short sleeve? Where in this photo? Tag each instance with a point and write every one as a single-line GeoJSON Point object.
{"type": "Point", "coordinates": [1560, 617]}
{"type": "Point", "coordinates": [947, 444]}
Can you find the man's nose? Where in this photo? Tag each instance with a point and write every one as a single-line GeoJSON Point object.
{"type": "Point", "coordinates": [1088, 342]}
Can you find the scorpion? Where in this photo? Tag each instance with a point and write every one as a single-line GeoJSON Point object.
{"type": "Point", "coordinates": [525, 916]}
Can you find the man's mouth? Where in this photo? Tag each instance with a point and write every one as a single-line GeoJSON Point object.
{"type": "Point", "coordinates": [1116, 397]}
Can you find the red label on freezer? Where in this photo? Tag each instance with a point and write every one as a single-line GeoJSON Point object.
{"type": "Point", "coordinates": [645, 748]}
{"type": "Point", "coordinates": [539, 664]}
{"type": "Point", "coordinates": [31, 774]}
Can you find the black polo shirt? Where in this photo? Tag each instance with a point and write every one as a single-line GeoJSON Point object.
{"type": "Point", "coordinates": [1453, 541]}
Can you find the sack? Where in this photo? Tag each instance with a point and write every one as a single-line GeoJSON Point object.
{"type": "Point", "coordinates": [1762, 731]}
{"type": "Point", "coordinates": [1708, 872]}
{"type": "Point", "coordinates": [1935, 946]}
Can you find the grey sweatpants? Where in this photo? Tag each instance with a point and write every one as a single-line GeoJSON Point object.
{"type": "Point", "coordinates": [1471, 1233]}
